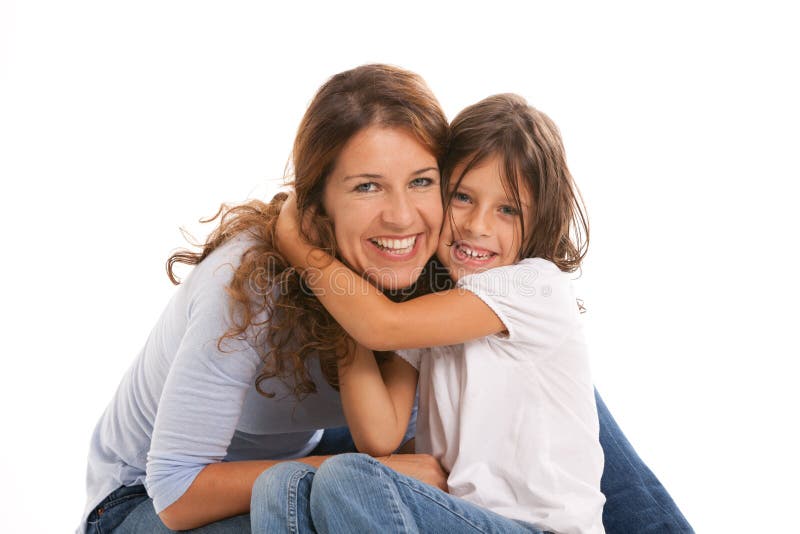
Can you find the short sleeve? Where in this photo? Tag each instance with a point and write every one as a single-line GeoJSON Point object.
{"type": "Point", "coordinates": [412, 356]}
{"type": "Point", "coordinates": [533, 298]}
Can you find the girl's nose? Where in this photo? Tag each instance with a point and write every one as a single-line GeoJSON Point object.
{"type": "Point", "coordinates": [478, 222]}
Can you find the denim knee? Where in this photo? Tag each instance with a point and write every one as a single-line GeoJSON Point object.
{"type": "Point", "coordinates": [275, 479]}
{"type": "Point", "coordinates": [338, 467]}
{"type": "Point", "coordinates": [336, 472]}
{"type": "Point", "coordinates": [278, 494]}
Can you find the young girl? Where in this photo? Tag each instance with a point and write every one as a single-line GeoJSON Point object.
{"type": "Point", "coordinates": [506, 398]}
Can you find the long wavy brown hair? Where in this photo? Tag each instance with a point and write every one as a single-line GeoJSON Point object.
{"type": "Point", "coordinates": [272, 309]}
{"type": "Point", "coordinates": [530, 148]}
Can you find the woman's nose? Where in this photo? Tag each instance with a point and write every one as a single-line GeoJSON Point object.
{"type": "Point", "coordinates": [399, 211]}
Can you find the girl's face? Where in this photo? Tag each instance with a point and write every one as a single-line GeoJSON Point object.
{"type": "Point", "coordinates": [384, 200]}
{"type": "Point", "coordinates": [483, 228]}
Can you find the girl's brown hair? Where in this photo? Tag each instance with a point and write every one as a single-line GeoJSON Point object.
{"type": "Point", "coordinates": [530, 148]}
{"type": "Point", "coordinates": [271, 307]}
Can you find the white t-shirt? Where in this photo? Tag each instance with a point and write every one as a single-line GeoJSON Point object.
{"type": "Point", "coordinates": [513, 417]}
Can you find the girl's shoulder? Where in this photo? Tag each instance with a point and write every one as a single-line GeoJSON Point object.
{"type": "Point", "coordinates": [520, 279]}
{"type": "Point", "coordinates": [530, 297]}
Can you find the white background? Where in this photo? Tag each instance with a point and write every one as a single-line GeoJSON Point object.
{"type": "Point", "coordinates": [121, 122]}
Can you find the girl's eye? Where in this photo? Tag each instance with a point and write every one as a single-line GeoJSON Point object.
{"type": "Point", "coordinates": [508, 210]}
{"type": "Point", "coordinates": [366, 187]}
{"type": "Point", "coordinates": [461, 197]}
{"type": "Point", "coordinates": [421, 182]}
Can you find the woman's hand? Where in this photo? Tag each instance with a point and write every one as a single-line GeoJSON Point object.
{"type": "Point", "coordinates": [422, 467]}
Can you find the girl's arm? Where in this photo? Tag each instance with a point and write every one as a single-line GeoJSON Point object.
{"type": "Point", "coordinates": [443, 318]}
{"type": "Point", "coordinates": [377, 400]}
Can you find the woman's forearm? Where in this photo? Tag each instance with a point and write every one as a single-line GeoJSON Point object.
{"type": "Point", "coordinates": [223, 489]}
{"type": "Point", "coordinates": [219, 491]}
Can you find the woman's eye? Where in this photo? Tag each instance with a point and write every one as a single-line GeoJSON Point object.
{"type": "Point", "coordinates": [421, 182]}
{"type": "Point", "coordinates": [366, 187]}
{"type": "Point", "coordinates": [508, 210]}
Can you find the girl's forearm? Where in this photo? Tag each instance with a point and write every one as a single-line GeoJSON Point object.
{"type": "Point", "coordinates": [442, 318]}
{"type": "Point", "coordinates": [358, 306]}
{"type": "Point", "coordinates": [377, 421]}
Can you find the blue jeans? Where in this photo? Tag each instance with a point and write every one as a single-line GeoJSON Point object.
{"type": "Point", "coordinates": [356, 493]}
{"type": "Point", "coordinates": [128, 510]}
{"type": "Point", "coordinates": [636, 501]}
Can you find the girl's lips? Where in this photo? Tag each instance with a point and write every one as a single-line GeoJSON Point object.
{"type": "Point", "coordinates": [388, 254]}
{"type": "Point", "coordinates": [462, 257]}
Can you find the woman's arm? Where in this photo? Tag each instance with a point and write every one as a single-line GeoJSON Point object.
{"type": "Point", "coordinates": [223, 489]}
{"type": "Point", "coordinates": [443, 318]}
{"type": "Point", "coordinates": [219, 491]}
{"type": "Point", "coordinates": [377, 400]}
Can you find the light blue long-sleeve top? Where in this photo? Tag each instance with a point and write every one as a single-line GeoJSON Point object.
{"type": "Point", "coordinates": [184, 404]}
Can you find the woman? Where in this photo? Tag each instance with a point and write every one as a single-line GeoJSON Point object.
{"type": "Point", "coordinates": [242, 364]}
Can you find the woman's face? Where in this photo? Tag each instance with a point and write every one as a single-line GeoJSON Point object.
{"type": "Point", "coordinates": [383, 198]}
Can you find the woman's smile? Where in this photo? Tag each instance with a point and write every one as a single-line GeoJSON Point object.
{"type": "Point", "coordinates": [383, 197]}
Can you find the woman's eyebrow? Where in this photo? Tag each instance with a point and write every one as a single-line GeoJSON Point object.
{"type": "Point", "coordinates": [371, 176]}
{"type": "Point", "coordinates": [363, 175]}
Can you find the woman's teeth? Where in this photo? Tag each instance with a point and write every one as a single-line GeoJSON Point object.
{"type": "Point", "coordinates": [395, 246]}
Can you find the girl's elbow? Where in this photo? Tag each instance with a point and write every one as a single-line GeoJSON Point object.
{"type": "Point", "coordinates": [376, 451]}
{"type": "Point", "coordinates": [377, 448]}
{"type": "Point", "coordinates": [375, 339]}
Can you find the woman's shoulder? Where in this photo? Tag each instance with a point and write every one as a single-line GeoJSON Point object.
{"type": "Point", "coordinates": [217, 269]}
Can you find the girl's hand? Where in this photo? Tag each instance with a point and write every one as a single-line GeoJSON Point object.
{"type": "Point", "coordinates": [422, 467]}
{"type": "Point", "coordinates": [288, 226]}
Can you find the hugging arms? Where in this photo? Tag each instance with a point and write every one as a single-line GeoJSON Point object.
{"type": "Point", "coordinates": [238, 374]}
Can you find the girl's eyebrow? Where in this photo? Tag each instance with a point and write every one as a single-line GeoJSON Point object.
{"type": "Point", "coordinates": [379, 176]}
{"type": "Point", "coordinates": [507, 199]}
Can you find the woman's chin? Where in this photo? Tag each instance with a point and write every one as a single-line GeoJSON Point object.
{"type": "Point", "coordinates": [392, 281]}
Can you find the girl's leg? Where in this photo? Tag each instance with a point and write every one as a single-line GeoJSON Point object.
{"type": "Point", "coordinates": [636, 502]}
{"type": "Point", "coordinates": [280, 501]}
{"type": "Point", "coordinates": [356, 493]}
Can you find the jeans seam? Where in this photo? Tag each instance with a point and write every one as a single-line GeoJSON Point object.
{"type": "Point", "coordinates": [440, 505]}
{"type": "Point", "coordinates": [388, 482]}
{"type": "Point", "coordinates": [291, 505]}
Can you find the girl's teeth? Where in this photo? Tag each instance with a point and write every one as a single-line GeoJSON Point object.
{"type": "Point", "coordinates": [471, 253]}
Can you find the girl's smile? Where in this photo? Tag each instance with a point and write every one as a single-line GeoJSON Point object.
{"type": "Point", "coordinates": [483, 227]}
